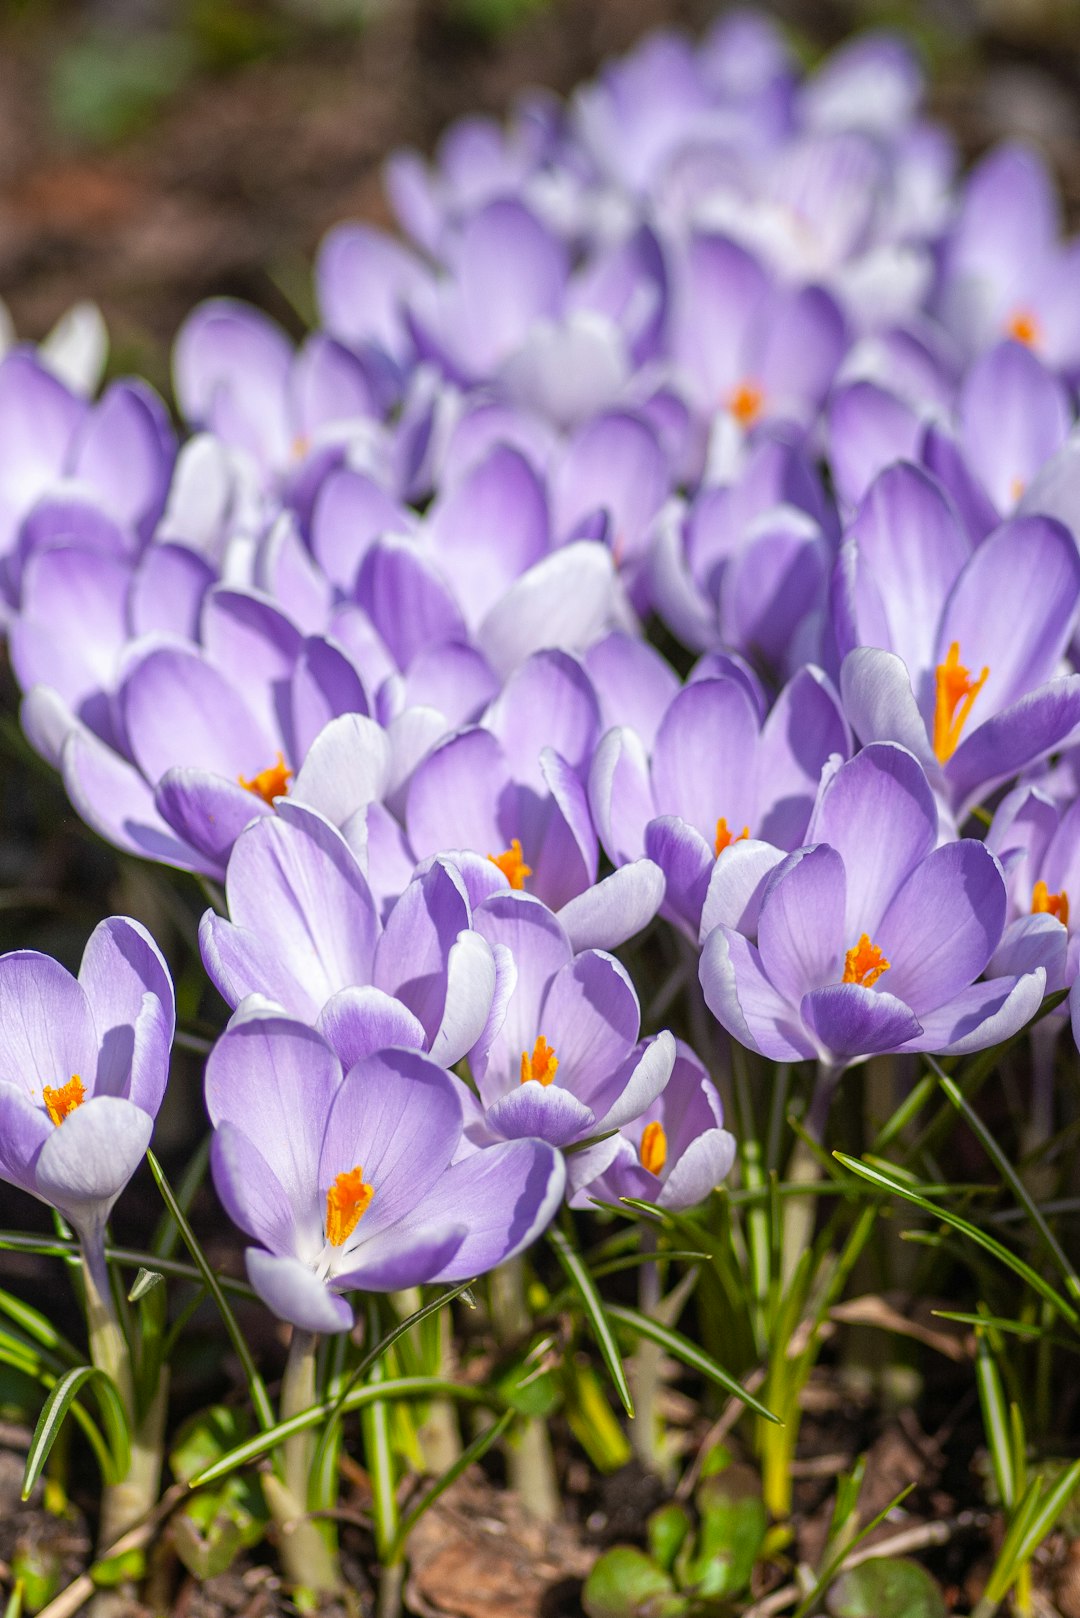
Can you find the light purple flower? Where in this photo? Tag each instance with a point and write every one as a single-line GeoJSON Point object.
{"type": "Point", "coordinates": [870, 939]}
{"type": "Point", "coordinates": [83, 1065]}
{"type": "Point", "coordinates": [715, 774]}
{"type": "Point", "coordinates": [674, 1154]}
{"type": "Point", "coordinates": [951, 650]}
{"type": "Point", "coordinates": [1037, 841]}
{"type": "Point", "coordinates": [565, 1061]}
{"type": "Point", "coordinates": [345, 1176]}
{"type": "Point", "coordinates": [304, 932]}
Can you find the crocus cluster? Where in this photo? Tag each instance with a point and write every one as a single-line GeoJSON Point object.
{"type": "Point", "coordinates": [720, 358]}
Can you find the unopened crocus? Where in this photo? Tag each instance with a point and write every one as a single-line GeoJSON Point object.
{"type": "Point", "coordinates": [953, 650]}
{"type": "Point", "coordinates": [870, 939]}
{"type": "Point", "coordinates": [346, 1180]}
{"type": "Point", "coordinates": [304, 932]}
{"type": "Point", "coordinates": [565, 1061]}
{"type": "Point", "coordinates": [674, 1154]}
{"type": "Point", "coordinates": [83, 1066]}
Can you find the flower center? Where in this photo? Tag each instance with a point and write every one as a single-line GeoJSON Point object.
{"type": "Point", "coordinates": [58, 1103]}
{"type": "Point", "coordinates": [745, 403]}
{"type": "Point", "coordinates": [271, 783]}
{"type": "Point", "coordinates": [1043, 902]}
{"type": "Point", "coordinates": [725, 838]}
{"type": "Point", "coordinates": [653, 1149]}
{"type": "Point", "coordinates": [541, 1064]}
{"type": "Point", "coordinates": [954, 699]}
{"type": "Point", "coordinates": [347, 1201]}
{"type": "Point", "coordinates": [864, 963]}
{"type": "Point", "coordinates": [1023, 326]}
{"type": "Point", "coordinates": [511, 863]}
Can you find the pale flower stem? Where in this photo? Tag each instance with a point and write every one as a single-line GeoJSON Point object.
{"type": "Point", "coordinates": [529, 1461]}
{"type": "Point", "coordinates": [646, 1431]}
{"type": "Point", "coordinates": [309, 1561]}
{"type": "Point", "coordinates": [804, 1169]}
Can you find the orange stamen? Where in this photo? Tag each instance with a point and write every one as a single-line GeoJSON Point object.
{"type": "Point", "coordinates": [954, 700]}
{"type": "Point", "coordinates": [59, 1103]}
{"type": "Point", "coordinates": [653, 1150]}
{"type": "Point", "coordinates": [864, 963]}
{"type": "Point", "coordinates": [347, 1201]}
{"type": "Point", "coordinates": [1024, 327]}
{"type": "Point", "coordinates": [541, 1064]}
{"type": "Point", "coordinates": [271, 783]}
{"type": "Point", "coordinates": [745, 403]}
{"type": "Point", "coordinates": [512, 864]}
{"type": "Point", "coordinates": [1016, 489]}
{"type": "Point", "coordinates": [1045, 903]}
{"type": "Point", "coordinates": [725, 838]}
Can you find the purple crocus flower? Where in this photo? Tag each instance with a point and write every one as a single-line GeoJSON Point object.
{"type": "Point", "coordinates": [1037, 841]}
{"type": "Point", "coordinates": [565, 1061]}
{"type": "Point", "coordinates": [304, 933]}
{"type": "Point", "coordinates": [674, 1154]}
{"type": "Point", "coordinates": [714, 774]}
{"type": "Point", "coordinates": [83, 1065]}
{"type": "Point", "coordinates": [345, 1175]}
{"type": "Point", "coordinates": [954, 651]}
{"type": "Point", "coordinates": [870, 939]}
{"type": "Point", "coordinates": [746, 566]}
{"type": "Point", "coordinates": [1005, 271]}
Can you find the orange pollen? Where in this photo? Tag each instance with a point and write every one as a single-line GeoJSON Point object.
{"type": "Point", "coordinates": [1045, 903]}
{"type": "Point", "coordinates": [269, 784]}
{"type": "Point", "coordinates": [58, 1103]}
{"type": "Point", "coordinates": [300, 446]}
{"type": "Point", "coordinates": [745, 403]}
{"type": "Point", "coordinates": [541, 1064]}
{"type": "Point", "coordinates": [725, 838]}
{"type": "Point", "coordinates": [653, 1150]}
{"type": "Point", "coordinates": [512, 864]}
{"type": "Point", "coordinates": [1016, 489]}
{"type": "Point", "coordinates": [864, 963]}
{"type": "Point", "coordinates": [347, 1201]}
{"type": "Point", "coordinates": [1024, 327]}
{"type": "Point", "coordinates": [954, 700]}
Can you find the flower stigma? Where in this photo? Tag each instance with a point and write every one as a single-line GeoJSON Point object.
{"type": "Point", "coordinates": [725, 838]}
{"type": "Point", "coordinates": [954, 699]}
{"type": "Point", "coordinates": [511, 863]}
{"type": "Point", "coordinates": [653, 1148]}
{"type": "Point", "coordinates": [270, 783]}
{"type": "Point", "coordinates": [347, 1201]}
{"type": "Point", "coordinates": [1045, 903]}
{"type": "Point", "coordinates": [745, 403]}
{"type": "Point", "coordinates": [864, 963]}
{"type": "Point", "coordinates": [60, 1102]}
{"type": "Point", "coordinates": [1023, 327]}
{"type": "Point", "coordinates": [541, 1064]}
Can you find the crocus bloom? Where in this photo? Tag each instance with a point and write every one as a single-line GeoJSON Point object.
{"type": "Point", "coordinates": [951, 650]}
{"type": "Point", "coordinates": [565, 1061]}
{"type": "Point", "coordinates": [305, 934]}
{"type": "Point", "coordinates": [673, 1154]}
{"type": "Point", "coordinates": [870, 939]}
{"type": "Point", "coordinates": [715, 773]}
{"type": "Point", "coordinates": [83, 1065]}
{"type": "Point", "coordinates": [1038, 843]}
{"type": "Point", "coordinates": [346, 1178]}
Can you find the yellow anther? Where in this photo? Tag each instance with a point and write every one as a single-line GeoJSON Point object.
{"type": "Point", "coordinates": [511, 863]}
{"type": "Point", "coordinates": [725, 838]}
{"type": "Point", "coordinates": [955, 693]}
{"type": "Point", "coordinates": [59, 1103]}
{"type": "Point", "coordinates": [864, 963]}
{"type": "Point", "coordinates": [347, 1201]}
{"type": "Point", "coordinates": [541, 1065]}
{"type": "Point", "coordinates": [1043, 902]}
{"type": "Point", "coordinates": [745, 403]}
{"type": "Point", "coordinates": [653, 1149]}
{"type": "Point", "coordinates": [270, 783]}
{"type": "Point", "coordinates": [1023, 326]}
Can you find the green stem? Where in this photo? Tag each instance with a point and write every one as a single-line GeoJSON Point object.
{"type": "Point", "coordinates": [647, 1430]}
{"type": "Point", "coordinates": [804, 1169]}
{"type": "Point", "coordinates": [307, 1557]}
{"type": "Point", "coordinates": [529, 1460]}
